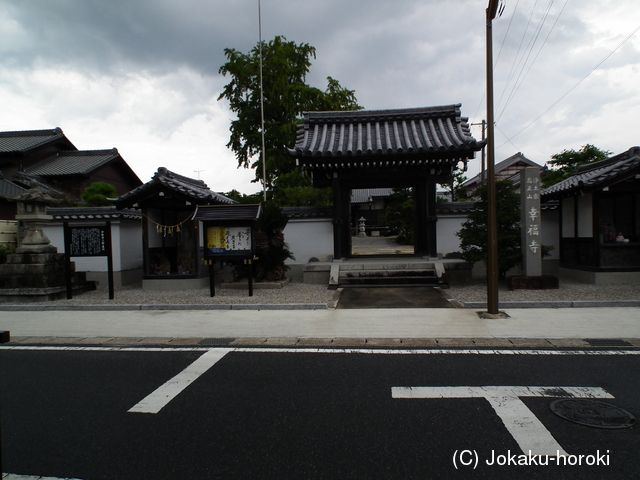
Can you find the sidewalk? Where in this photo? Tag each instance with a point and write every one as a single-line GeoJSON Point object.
{"type": "Point", "coordinates": [372, 328]}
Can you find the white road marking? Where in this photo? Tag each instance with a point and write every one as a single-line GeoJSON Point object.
{"type": "Point", "coordinates": [157, 400]}
{"type": "Point", "coordinates": [530, 434]}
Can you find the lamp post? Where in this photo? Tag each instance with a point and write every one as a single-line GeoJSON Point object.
{"type": "Point", "coordinates": [492, 224]}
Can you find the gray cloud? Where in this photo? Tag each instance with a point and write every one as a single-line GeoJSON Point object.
{"type": "Point", "coordinates": [154, 63]}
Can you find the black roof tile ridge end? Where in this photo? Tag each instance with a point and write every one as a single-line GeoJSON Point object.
{"type": "Point", "coordinates": [79, 153]}
{"type": "Point", "coordinates": [32, 133]}
{"type": "Point", "coordinates": [452, 108]}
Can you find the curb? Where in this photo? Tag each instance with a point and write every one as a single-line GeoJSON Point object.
{"type": "Point", "coordinates": [559, 304]}
{"type": "Point", "coordinates": [302, 342]}
{"type": "Point", "coordinates": [134, 307]}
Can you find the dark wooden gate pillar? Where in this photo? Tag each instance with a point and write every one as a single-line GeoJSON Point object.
{"type": "Point", "coordinates": [425, 218]}
{"type": "Point", "coordinates": [421, 240]}
{"type": "Point", "coordinates": [338, 208]}
{"type": "Point", "coordinates": [432, 218]}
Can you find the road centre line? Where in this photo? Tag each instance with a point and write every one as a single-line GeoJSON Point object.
{"type": "Point", "coordinates": [159, 398]}
{"type": "Point", "coordinates": [364, 351]}
{"type": "Point", "coordinates": [529, 432]}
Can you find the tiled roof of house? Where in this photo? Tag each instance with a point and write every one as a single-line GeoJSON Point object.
{"type": "Point", "coordinates": [195, 190]}
{"type": "Point", "coordinates": [503, 169]}
{"type": "Point", "coordinates": [9, 189]}
{"type": "Point", "coordinates": [21, 141]}
{"type": "Point", "coordinates": [595, 176]}
{"type": "Point", "coordinates": [361, 195]}
{"type": "Point", "coordinates": [73, 162]}
{"type": "Point", "coordinates": [421, 135]}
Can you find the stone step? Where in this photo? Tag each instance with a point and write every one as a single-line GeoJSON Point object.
{"type": "Point", "coordinates": [392, 281]}
{"type": "Point", "coordinates": [388, 273]}
{"type": "Point", "coordinates": [349, 267]}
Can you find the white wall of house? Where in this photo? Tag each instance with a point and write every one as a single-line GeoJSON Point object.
{"type": "Point", "coordinates": [126, 239]}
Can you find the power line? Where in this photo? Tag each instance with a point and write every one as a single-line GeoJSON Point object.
{"type": "Point", "coordinates": [575, 86]}
{"type": "Point", "coordinates": [536, 57]}
{"type": "Point", "coordinates": [532, 43]}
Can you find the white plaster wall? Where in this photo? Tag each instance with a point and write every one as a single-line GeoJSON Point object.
{"type": "Point", "coordinates": [309, 238]}
{"type": "Point", "coordinates": [550, 233]}
{"type": "Point", "coordinates": [447, 226]}
{"type": "Point", "coordinates": [129, 242]}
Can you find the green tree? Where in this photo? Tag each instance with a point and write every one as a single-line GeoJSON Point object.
{"type": "Point", "coordinates": [270, 247]}
{"type": "Point", "coordinates": [244, 198]}
{"type": "Point", "coordinates": [399, 215]}
{"type": "Point", "coordinates": [97, 193]}
{"type": "Point", "coordinates": [455, 188]}
{"type": "Point", "coordinates": [286, 96]}
{"type": "Point", "coordinates": [563, 165]}
{"type": "Point", "coordinates": [473, 234]}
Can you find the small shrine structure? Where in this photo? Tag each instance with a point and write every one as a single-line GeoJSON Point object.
{"type": "Point", "coordinates": [171, 247]}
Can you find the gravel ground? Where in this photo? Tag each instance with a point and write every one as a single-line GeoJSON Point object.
{"type": "Point", "coordinates": [299, 293]}
{"type": "Point", "coordinates": [568, 291]}
{"type": "Point", "coordinates": [290, 294]}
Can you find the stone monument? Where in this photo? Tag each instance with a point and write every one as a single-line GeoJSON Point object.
{"type": "Point", "coordinates": [531, 246]}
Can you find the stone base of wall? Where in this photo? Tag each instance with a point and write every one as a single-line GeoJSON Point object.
{"type": "Point", "coordinates": [120, 279]}
{"type": "Point", "coordinates": [171, 284]}
{"type": "Point", "coordinates": [599, 278]}
{"type": "Point", "coordinates": [524, 282]}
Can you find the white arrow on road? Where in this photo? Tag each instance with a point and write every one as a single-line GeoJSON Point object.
{"type": "Point", "coordinates": [530, 434]}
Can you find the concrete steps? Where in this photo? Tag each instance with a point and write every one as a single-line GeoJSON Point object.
{"type": "Point", "coordinates": [386, 274]}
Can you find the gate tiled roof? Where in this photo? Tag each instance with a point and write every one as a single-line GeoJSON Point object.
{"type": "Point", "coordinates": [422, 135]}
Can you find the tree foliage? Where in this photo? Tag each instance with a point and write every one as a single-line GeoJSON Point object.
{"type": "Point", "coordinates": [563, 165]}
{"type": "Point", "coordinates": [97, 193]}
{"type": "Point", "coordinates": [270, 247]}
{"type": "Point", "coordinates": [456, 189]}
{"type": "Point", "coordinates": [399, 215]}
{"type": "Point", "coordinates": [286, 96]}
{"type": "Point", "coordinates": [473, 234]}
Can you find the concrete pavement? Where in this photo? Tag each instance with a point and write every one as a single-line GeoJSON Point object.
{"type": "Point", "coordinates": [400, 328]}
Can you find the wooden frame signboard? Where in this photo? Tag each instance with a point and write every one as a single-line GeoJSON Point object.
{"type": "Point", "coordinates": [88, 241]}
{"type": "Point", "coordinates": [227, 235]}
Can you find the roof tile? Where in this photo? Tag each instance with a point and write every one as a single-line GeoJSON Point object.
{"type": "Point", "coordinates": [73, 162]}
{"type": "Point", "coordinates": [415, 132]}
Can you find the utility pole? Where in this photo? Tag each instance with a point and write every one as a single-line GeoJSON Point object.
{"type": "Point", "coordinates": [492, 224]}
{"type": "Point", "coordinates": [198, 172]}
{"type": "Point", "coordinates": [483, 175]}
{"type": "Point", "coordinates": [264, 158]}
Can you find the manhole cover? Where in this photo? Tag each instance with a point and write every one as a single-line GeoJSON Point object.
{"type": "Point", "coordinates": [592, 413]}
{"type": "Point", "coordinates": [216, 342]}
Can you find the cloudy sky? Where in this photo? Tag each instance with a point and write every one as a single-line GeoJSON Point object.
{"type": "Point", "coordinates": [142, 75]}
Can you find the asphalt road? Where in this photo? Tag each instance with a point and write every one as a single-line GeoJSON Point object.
{"type": "Point", "coordinates": [298, 415]}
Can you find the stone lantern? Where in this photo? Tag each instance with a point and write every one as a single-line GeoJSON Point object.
{"type": "Point", "coordinates": [36, 271]}
{"type": "Point", "coordinates": [32, 215]}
